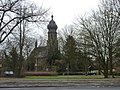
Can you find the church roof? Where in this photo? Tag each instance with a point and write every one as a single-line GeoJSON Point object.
{"type": "Point", "coordinates": [36, 51]}
{"type": "Point", "coordinates": [52, 24]}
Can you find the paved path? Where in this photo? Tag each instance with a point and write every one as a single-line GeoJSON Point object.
{"type": "Point", "coordinates": [21, 82]}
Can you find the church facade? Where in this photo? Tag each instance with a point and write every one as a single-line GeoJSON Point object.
{"type": "Point", "coordinates": [44, 56]}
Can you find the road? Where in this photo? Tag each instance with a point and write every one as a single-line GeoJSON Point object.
{"type": "Point", "coordinates": [22, 82]}
{"type": "Point", "coordinates": [67, 88]}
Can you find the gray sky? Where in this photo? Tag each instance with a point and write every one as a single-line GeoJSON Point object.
{"type": "Point", "coordinates": [65, 11]}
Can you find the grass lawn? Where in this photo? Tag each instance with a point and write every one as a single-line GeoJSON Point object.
{"type": "Point", "coordinates": [66, 77]}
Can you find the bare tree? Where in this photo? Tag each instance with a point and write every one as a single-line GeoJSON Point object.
{"type": "Point", "coordinates": [13, 12]}
{"type": "Point", "coordinates": [103, 28]}
{"type": "Point", "coordinates": [15, 16]}
{"type": "Point", "coordinates": [64, 33]}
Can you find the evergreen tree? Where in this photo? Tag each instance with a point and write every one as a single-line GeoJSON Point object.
{"type": "Point", "coordinates": [70, 53]}
{"type": "Point", "coordinates": [11, 61]}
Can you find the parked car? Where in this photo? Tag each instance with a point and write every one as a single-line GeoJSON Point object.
{"type": "Point", "coordinates": [8, 73]}
{"type": "Point", "coordinates": [92, 73]}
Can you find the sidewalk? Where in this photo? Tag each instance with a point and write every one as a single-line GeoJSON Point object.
{"type": "Point", "coordinates": [21, 82]}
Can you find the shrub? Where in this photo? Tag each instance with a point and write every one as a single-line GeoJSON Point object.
{"type": "Point", "coordinates": [40, 73]}
{"type": "Point", "coordinates": [71, 73]}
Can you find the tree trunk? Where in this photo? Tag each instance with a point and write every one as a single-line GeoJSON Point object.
{"type": "Point", "coordinates": [105, 73]}
{"type": "Point", "coordinates": [99, 69]}
{"type": "Point", "coordinates": [111, 62]}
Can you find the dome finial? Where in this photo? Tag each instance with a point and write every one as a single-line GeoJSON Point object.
{"type": "Point", "coordinates": [52, 17]}
{"type": "Point", "coordinates": [52, 25]}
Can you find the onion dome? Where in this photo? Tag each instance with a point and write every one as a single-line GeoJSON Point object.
{"type": "Point", "coordinates": [52, 24]}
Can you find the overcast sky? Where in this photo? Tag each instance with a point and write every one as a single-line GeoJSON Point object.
{"type": "Point", "coordinates": [65, 11]}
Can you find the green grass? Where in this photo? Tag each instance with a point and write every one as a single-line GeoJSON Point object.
{"type": "Point", "coordinates": [66, 77]}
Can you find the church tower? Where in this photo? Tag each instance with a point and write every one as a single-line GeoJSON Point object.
{"type": "Point", "coordinates": [52, 43]}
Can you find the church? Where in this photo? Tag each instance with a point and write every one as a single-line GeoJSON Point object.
{"type": "Point", "coordinates": [43, 57]}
